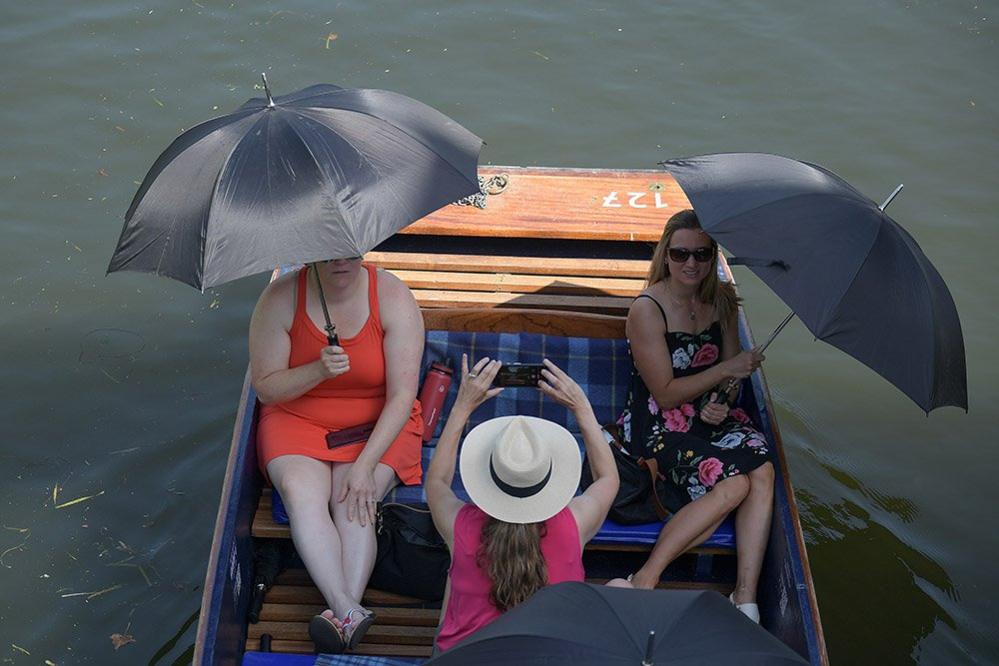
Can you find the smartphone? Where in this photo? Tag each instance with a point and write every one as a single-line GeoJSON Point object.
{"type": "Point", "coordinates": [519, 374]}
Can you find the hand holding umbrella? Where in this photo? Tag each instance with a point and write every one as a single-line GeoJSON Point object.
{"type": "Point", "coordinates": [853, 276]}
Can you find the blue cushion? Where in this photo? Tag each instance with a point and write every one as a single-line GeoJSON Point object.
{"type": "Point", "coordinates": [610, 533]}
{"type": "Point", "coordinates": [601, 367]}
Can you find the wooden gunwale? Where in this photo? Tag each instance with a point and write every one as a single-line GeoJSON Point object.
{"type": "Point", "coordinates": [792, 504]}
{"type": "Point", "coordinates": [214, 586]}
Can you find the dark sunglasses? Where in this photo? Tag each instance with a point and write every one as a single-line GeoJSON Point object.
{"type": "Point", "coordinates": [681, 254]}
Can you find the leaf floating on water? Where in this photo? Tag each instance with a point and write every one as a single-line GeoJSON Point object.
{"type": "Point", "coordinates": [19, 648]}
{"type": "Point", "coordinates": [118, 640]}
{"type": "Point", "coordinates": [332, 37]}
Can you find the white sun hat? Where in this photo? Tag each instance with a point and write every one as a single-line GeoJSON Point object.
{"type": "Point", "coordinates": [520, 469]}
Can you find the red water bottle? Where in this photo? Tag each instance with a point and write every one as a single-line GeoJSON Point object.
{"type": "Point", "coordinates": [432, 395]}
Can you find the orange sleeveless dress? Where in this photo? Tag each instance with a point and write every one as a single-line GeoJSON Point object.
{"type": "Point", "coordinates": [300, 426]}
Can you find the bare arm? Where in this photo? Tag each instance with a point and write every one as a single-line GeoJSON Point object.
{"type": "Point", "coordinates": [473, 391]}
{"type": "Point", "coordinates": [270, 348]}
{"type": "Point", "coordinates": [591, 507]}
{"type": "Point", "coordinates": [647, 336]}
{"type": "Point", "coordinates": [403, 349]}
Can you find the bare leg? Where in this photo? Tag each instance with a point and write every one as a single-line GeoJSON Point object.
{"type": "Point", "coordinates": [688, 524]}
{"type": "Point", "coordinates": [358, 545]}
{"type": "Point", "coordinates": [752, 530]}
{"type": "Point", "coordinates": [304, 484]}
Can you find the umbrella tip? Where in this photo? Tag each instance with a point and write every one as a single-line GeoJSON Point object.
{"type": "Point", "coordinates": [891, 196]}
{"type": "Point", "coordinates": [267, 90]}
{"type": "Point", "coordinates": [648, 649]}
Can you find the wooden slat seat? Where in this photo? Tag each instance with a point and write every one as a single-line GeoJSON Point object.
{"type": "Point", "coordinates": [397, 631]}
{"type": "Point", "coordinates": [471, 263]}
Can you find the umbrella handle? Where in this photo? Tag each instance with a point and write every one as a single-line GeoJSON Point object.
{"type": "Point", "coordinates": [732, 383]}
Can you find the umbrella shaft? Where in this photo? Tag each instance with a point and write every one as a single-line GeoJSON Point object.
{"type": "Point", "coordinates": [780, 327]}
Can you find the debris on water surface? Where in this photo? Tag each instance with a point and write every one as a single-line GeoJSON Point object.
{"type": "Point", "coordinates": [118, 640]}
{"type": "Point", "coordinates": [18, 547]}
{"type": "Point", "coordinates": [20, 649]}
{"type": "Point", "coordinates": [78, 500]}
{"type": "Point", "coordinates": [332, 37]}
{"type": "Point", "coordinates": [102, 344]}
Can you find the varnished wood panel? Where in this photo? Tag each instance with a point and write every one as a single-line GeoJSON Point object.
{"type": "Point", "coordinates": [565, 203]}
{"type": "Point", "coordinates": [521, 284]}
{"type": "Point", "coordinates": [434, 298]}
{"type": "Point", "coordinates": [470, 263]}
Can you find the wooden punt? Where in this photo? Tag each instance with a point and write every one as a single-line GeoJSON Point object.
{"type": "Point", "coordinates": [559, 252]}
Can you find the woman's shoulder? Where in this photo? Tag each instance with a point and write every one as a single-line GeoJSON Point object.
{"type": "Point", "coordinates": [646, 311]}
{"type": "Point", "coordinates": [283, 286]}
{"type": "Point", "coordinates": [390, 286]}
{"type": "Point", "coordinates": [278, 297]}
{"type": "Point", "coordinates": [395, 301]}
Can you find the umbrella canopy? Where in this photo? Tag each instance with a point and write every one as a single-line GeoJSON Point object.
{"type": "Point", "coordinates": [583, 624]}
{"type": "Point", "coordinates": [322, 173]}
{"type": "Point", "coordinates": [855, 277]}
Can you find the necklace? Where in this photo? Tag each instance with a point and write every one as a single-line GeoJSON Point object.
{"type": "Point", "coordinates": [678, 303]}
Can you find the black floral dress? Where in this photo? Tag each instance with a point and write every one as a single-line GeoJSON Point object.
{"type": "Point", "coordinates": [693, 455]}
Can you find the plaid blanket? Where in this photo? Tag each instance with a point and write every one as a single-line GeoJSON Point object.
{"type": "Point", "coordinates": [601, 367]}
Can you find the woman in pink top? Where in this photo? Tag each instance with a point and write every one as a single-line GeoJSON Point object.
{"type": "Point", "coordinates": [524, 529]}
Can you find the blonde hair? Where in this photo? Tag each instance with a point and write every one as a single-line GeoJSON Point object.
{"type": "Point", "coordinates": [511, 555]}
{"type": "Point", "coordinates": [712, 290]}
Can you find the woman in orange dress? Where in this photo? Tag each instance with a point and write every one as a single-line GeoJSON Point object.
{"type": "Point", "coordinates": [308, 389]}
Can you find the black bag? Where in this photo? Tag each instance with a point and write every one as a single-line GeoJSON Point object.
{"type": "Point", "coordinates": [412, 557]}
{"type": "Point", "coordinates": [639, 496]}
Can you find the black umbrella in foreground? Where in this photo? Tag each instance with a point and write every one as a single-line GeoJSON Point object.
{"type": "Point", "coordinates": [855, 277]}
{"type": "Point", "coordinates": [584, 625]}
{"type": "Point", "coordinates": [322, 173]}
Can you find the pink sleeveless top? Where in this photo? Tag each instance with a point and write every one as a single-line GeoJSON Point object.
{"type": "Point", "coordinates": [468, 606]}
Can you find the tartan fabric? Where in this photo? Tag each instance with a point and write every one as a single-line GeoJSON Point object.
{"type": "Point", "coordinates": [601, 367]}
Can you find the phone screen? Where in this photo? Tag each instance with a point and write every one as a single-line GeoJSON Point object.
{"type": "Point", "coordinates": [519, 374]}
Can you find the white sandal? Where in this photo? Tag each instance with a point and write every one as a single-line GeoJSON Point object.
{"type": "Point", "coordinates": [750, 610]}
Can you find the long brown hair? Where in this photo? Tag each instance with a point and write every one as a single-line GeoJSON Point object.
{"type": "Point", "coordinates": [511, 555]}
{"type": "Point", "coordinates": [712, 290]}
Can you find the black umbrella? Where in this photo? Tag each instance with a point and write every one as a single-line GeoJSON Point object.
{"type": "Point", "coordinates": [583, 624]}
{"type": "Point", "coordinates": [322, 173]}
{"type": "Point", "coordinates": [855, 277]}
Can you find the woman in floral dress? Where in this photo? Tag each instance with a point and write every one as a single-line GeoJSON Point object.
{"type": "Point", "coordinates": [685, 347]}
